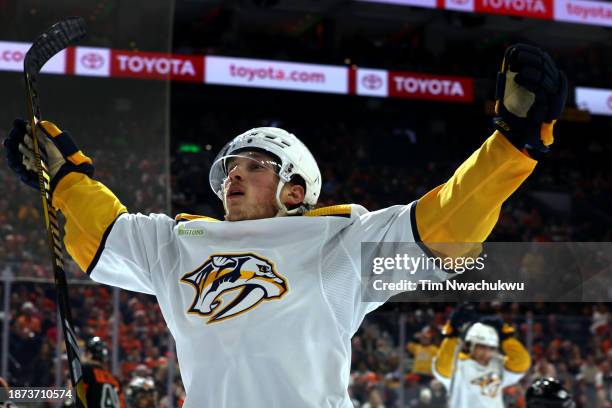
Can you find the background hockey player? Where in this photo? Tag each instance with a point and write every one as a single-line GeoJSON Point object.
{"type": "Point", "coordinates": [475, 376]}
{"type": "Point", "coordinates": [141, 393]}
{"type": "Point", "coordinates": [423, 352]}
{"type": "Point", "coordinates": [103, 390]}
{"type": "Point", "coordinates": [263, 306]}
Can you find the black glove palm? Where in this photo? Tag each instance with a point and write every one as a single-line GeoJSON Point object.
{"type": "Point", "coordinates": [531, 94]}
{"type": "Point", "coordinates": [460, 317]}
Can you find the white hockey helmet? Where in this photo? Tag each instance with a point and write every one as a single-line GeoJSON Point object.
{"type": "Point", "coordinates": [295, 159]}
{"type": "Point", "coordinates": [482, 334]}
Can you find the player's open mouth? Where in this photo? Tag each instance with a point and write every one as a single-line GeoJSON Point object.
{"type": "Point", "coordinates": [234, 193]}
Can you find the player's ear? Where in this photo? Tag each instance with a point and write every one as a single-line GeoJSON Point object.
{"type": "Point", "coordinates": [293, 194]}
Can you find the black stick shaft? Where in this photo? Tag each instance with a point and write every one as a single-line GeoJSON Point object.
{"type": "Point", "coordinates": [58, 37]}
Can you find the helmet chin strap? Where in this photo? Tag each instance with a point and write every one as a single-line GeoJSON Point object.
{"type": "Point", "coordinates": [224, 199]}
{"type": "Point", "coordinates": [282, 208]}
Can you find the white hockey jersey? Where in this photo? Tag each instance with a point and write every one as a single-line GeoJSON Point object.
{"type": "Point", "coordinates": [262, 311]}
{"type": "Point", "coordinates": [478, 386]}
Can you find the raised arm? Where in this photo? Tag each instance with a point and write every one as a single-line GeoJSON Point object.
{"type": "Point", "coordinates": [531, 94]}
{"type": "Point", "coordinates": [518, 359]}
{"type": "Point", "coordinates": [114, 247]}
{"type": "Point", "coordinates": [90, 209]}
{"type": "Point", "coordinates": [467, 206]}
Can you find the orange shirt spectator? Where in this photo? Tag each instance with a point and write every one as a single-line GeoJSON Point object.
{"type": "Point", "coordinates": [28, 324]}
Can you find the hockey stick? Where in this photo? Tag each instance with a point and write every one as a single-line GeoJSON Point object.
{"type": "Point", "coordinates": [52, 41]}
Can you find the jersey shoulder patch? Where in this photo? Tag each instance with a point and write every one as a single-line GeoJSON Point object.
{"type": "Point", "coordinates": [341, 210]}
{"type": "Point", "coordinates": [192, 217]}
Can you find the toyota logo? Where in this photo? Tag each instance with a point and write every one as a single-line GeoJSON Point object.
{"type": "Point", "coordinates": [92, 61]}
{"type": "Point", "coordinates": [371, 81]}
{"type": "Point", "coordinates": [610, 102]}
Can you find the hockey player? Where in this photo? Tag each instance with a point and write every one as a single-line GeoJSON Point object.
{"type": "Point", "coordinates": [548, 393]}
{"type": "Point", "coordinates": [102, 389]}
{"type": "Point", "coordinates": [263, 305]}
{"type": "Point", "coordinates": [141, 393]}
{"type": "Point", "coordinates": [475, 379]}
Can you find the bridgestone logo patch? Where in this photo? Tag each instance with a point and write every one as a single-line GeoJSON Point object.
{"type": "Point", "coordinates": [192, 232]}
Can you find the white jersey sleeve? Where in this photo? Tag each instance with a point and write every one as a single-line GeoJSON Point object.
{"type": "Point", "coordinates": [393, 224]}
{"type": "Point", "coordinates": [134, 248]}
{"type": "Point", "coordinates": [341, 263]}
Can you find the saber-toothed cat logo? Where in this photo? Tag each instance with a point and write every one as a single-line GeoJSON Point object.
{"type": "Point", "coordinates": [229, 284]}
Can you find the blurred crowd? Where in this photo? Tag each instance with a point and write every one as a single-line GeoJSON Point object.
{"type": "Point", "coordinates": [143, 339]}
{"type": "Point", "coordinates": [395, 345]}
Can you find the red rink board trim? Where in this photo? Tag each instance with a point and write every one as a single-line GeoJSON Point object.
{"type": "Point", "coordinates": [156, 65]}
{"type": "Point", "coordinates": [430, 87]}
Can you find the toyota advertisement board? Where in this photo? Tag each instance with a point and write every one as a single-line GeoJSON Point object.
{"type": "Point", "coordinates": [523, 8]}
{"type": "Point", "coordinates": [595, 100]}
{"type": "Point", "coordinates": [276, 75]}
{"type": "Point", "coordinates": [12, 55]}
{"type": "Point", "coordinates": [219, 70]}
{"type": "Point", "coordinates": [431, 87]}
{"type": "Point", "coordinates": [460, 5]}
{"type": "Point", "coordinates": [372, 82]}
{"type": "Point", "coordinates": [156, 65]}
{"type": "Point", "coordinates": [417, 3]}
{"type": "Point", "coordinates": [584, 12]}
{"type": "Point", "coordinates": [89, 61]}
{"type": "Point", "coordinates": [591, 12]}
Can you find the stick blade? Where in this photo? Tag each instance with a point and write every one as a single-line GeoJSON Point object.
{"type": "Point", "coordinates": [59, 36]}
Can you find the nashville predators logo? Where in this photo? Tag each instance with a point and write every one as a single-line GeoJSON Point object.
{"type": "Point", "coordinates": [229, 284]}
{"type": "Point", "coordinates": [489, 384]}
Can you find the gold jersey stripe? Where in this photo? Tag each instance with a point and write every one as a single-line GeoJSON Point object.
{"type": "Point", "coordinates": [343, 210]}
{"type": "Point", "coordinates": [191, 217]}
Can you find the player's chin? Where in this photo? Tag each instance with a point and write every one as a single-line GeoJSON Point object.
{"type": "Point", "coordinates": [232, 215]}
{"type": "Point", "coordinates": [235, 212]}
{"type": "Point", "coordinates": [233, 205]}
